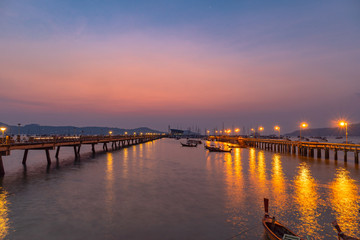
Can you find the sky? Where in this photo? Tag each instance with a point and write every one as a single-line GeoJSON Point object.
{"type": "Point", "coordinates": [183, 63]}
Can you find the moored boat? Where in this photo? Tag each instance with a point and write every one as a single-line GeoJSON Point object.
{"type": "Point", "coordinates": [189, 144]}
{"type": "Point", "coordinates": [341, 235]}
{"type": "Point", "coordinates": [274, 230]}
{"type": "Point", "coordinates": [217, 149]}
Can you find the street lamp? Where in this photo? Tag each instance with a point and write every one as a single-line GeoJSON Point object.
{"type": "Point", "coordinates": [110, 132]}
{"type": "Point", "coordinates": [208, 132]}
{"type": "Point", "coordinates": [3, 129]}
{"type": "Point", "coordinates": [344, 124]}
{"type": "Point", "coordinates": [261, 129]}
{"type": "Point", "coordinates": [303, 125]}
{"type": "Point", "coordinates": [277, 128]}
{"type": "Point", "coordinates": [237, 130]}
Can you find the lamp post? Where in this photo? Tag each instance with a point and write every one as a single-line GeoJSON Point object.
{"type": "Point", "coordinates": [303, 125]}
{"type": "Point", "coordinates": [344, 124]}
{"type": "Point", "coordinates": [237, 131]}
{"type": "Point", "coordinates": [3, 129]}
{"type": "Point", "coordinates": [260, 130]}
{"type": "Point", "coordinates": [277, 128]}
{"type": "Point", "coordinates": [110, 132]}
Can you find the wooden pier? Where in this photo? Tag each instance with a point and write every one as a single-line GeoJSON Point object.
{"type": "Point", "coordinates": [52, 143]}
{"type": "Point", "coordinates": [301, 148]}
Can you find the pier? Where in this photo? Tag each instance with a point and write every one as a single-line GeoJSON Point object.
{"type": "Point", "coordinates": [301, 148]}
{"type": "Point", "coordinates": [52, 143]}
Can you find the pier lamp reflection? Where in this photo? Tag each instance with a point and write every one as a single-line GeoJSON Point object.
{"type": "Point", "coordinates": [278, 179]}
{"type": "Point", "coordinates": [234, 187]}
{"type": "Point", "coordinates": [4, 219]}
{"type": "Point", "coordinates": [307, 199]}
{"type": "Point", "coordinates": [345, 200]}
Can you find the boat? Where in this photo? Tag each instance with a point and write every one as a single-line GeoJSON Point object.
{"type": "Point", "coordinates": [274, 230]}
{"type": "Point", "coordinates": [341, 235]}
{"type": "Point", "coordinates": [188, 144]}
{"type": "Point", "coordinates": [217, 149]}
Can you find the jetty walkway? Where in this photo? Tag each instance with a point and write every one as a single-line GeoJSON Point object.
{"type": "Point", "coordinates": [302, 148]}
{"type": "Point", "coordinates": [52, 143]}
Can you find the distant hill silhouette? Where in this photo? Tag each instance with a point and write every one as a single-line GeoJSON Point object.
{"type": "Point", "coordinates": [353, 130]}
{"type": "Point", "coordinates": [36, 129]}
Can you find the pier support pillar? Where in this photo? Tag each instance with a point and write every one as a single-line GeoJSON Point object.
{"type": "Point", "coordinates": [326, 153]}
{"type": "Point", "coordinates": [25, 156]}
{"type": "Point", "coordinates": [311, 153]}
{"type": "Point", "coordinates": [356, 156]}
{"type": "Point", "coordinates": [57, 152]}
{"type": "Point", "coordinates": [319, 153]}
{"type": "Point", "coordinates": [2, 170]}
{"type": "Point", "coordinates": [335, 154]}
{"type": "Point", "coordinates": [48, 157]}
{"type": "Point", "coordinates": [345, 155]}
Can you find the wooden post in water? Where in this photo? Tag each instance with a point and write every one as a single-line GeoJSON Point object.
{"type": "Point", "coordinates": [48, 157]}
{"type": "Point", "coordinates": [25, 156]}
{"type": "Point", "coordinates": [93, 148]}
{"type": "Point", "coordinates": [356, 156]}
{"type": "Point", "coordinates": [345, 155]}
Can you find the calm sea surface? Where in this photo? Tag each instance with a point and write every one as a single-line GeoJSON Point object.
{"type": "Point", "coordinates": [160, 190]}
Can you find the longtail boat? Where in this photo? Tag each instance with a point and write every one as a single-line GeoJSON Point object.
{"type": "Point", "coordinates": [275, 230]}
{"type": "Point", "coordinates": [341, 235]}
{"type": "Point", "coordinates": [189, 144]}
{"type": "Point", "coordinates": [217, 149]}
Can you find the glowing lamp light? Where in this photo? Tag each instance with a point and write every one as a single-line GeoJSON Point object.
{"type": "Point", "coordinates": [261, 129]}
{"type": "Point", "coordinates": [344, 124]}
{"type": "Point", "coordinates": [125, 133]}
{"type": "Point", "coordinates": [110, 132]}
{"type": "Point", "coordinates": [237, 130]}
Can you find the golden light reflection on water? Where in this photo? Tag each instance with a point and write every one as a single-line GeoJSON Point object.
{"type": "Point", "coordinates": [4, 219]}
{"type": "Point", "coordinates": [110, 178]}
{"type": "Point", "coordinates": [345, 200]}
{"type": "Point", "coordinates": [278, 182]}
{"type": "Point", "coordinates": [252, 162]}
{"type": "Point", "coordinates": [307, 200]}
{"type": "Point", "coordinates": [261, 168]}
{"type": "Point", "coordinates": [125, 162]}
{"type": "Point", "coordinates": [234, 186]}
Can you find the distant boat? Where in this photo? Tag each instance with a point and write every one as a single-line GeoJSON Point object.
{"type": "Point", "coordinates": [189, 144]}
{"type": "Point", "coordinates": [275, 230]}
{"type": "Point", "coordinates": [339, 138]}
{"type": "Point", "coordinates": [341, 235]}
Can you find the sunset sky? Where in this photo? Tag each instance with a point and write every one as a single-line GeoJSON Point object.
{"type": "Point", "coordinates": [147, 63]}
